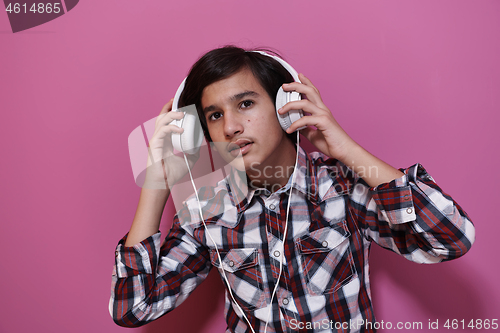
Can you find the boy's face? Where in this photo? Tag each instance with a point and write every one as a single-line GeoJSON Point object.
{"type": "Point", "coordinates": [241, 117]}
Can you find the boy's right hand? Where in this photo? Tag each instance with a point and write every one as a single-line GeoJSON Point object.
{"type": "Point", "coordinates": [164, 168]}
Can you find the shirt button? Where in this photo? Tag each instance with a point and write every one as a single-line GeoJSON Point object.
{"type": "Point", "coordinates": [409, 210]}
{"type": "Point", "coordinates": [285, 301]}
{"type": "Point", "coordinates": [276, 254]}
{"type": "Point", "coordinates": [407, 197]}
{"type": "Point", "coordinates": [231, 263]}
{"type": "Point", "coordinates": [325, 243]}
{"type": "Point", "coordinates": [271, 207]}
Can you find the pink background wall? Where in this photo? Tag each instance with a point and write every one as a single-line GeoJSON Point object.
{"type": "Point", "coordinates": [412, 81]}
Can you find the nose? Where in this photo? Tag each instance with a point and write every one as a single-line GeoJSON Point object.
{"type": "Point", "coordinates": [232, 124]}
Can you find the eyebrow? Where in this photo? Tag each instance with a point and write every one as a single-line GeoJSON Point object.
{"type": "Point", "coordinates": [233, 98]}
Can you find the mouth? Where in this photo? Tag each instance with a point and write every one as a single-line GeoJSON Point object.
{"type": "Point", "coordinates": [239, 146]}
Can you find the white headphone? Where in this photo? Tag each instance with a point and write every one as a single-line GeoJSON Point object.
{"type": "Point", "coordinates": [191, 139]}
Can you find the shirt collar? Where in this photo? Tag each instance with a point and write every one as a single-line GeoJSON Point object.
{"type": "Point", "coordinates": [305, 181]}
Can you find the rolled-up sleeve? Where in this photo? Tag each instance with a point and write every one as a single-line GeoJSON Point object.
{"type": "Point", "coordinates": [413, 217]}
{"type": "Point", "coordinates": [150, 280]}
{"type": "Point", "coordinates": [138, 259]}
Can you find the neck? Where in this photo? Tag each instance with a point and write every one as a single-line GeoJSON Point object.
{"type": "Point", "coordinates": [274, 173]}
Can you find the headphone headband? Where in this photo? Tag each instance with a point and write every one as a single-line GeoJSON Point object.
{"type": "Point", "coordinates": [283, 63]}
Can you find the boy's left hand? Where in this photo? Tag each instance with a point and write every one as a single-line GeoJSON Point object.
{"type": "Point", "coordinates": [328, 136]}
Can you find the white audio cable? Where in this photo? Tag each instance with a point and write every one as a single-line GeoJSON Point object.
{"type": "Point", "coordinates": [284, 235]}
{"type": "Point", "coordinates": [217, 249]}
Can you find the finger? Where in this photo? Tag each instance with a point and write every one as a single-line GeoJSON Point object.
{"type": "Point", "coordinates": [299, 87]}
{"type": "Point", "coordinates": [307, 131]}
{"type": "Point", "coordinates": [306, 81]}
{"type": "Point", "coordinates": [305, 121]}
{"type": "Point", "coordinates": [167, 107]}
{"type": "Point", "coordinates": [304, 105]}
{"type": "Point", "coordinates": [310, 133]}
{"type": "Point", "coordinates": [166, 118]}
{"type": "Point", "coordinates": [315, 137]}
{"type": "Point", "coordinates": [310, 92]}
{"type": "Point", "coordinates": [164, 130]}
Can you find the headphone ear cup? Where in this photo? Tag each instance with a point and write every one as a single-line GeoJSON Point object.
{"type": "Point", "coordinates": [191, 139]}
{"type": "Point", "coordinates": [283, 97]}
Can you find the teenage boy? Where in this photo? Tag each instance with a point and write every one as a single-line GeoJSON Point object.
{"type": "Point", "coordinates": [341, 199]}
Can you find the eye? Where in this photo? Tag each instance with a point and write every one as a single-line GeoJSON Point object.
{"type": "Point", "coordinates": [214, 116]}
{"type": "Point", "coordinates": [246, 104]}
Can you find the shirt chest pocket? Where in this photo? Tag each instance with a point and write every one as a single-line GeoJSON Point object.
{"type": "Point", "coordinates": [326, 259]}
{"type": "Point", "coordinates": [242, 271]}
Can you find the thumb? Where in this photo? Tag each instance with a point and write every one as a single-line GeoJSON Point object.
{"type": "Point", "coordinates": [308, 132]}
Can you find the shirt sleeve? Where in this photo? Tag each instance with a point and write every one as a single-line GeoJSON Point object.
{"type": "Point", "coordinates": [413, 217]}
{"type": "Point", "coordinates": [150, 280]}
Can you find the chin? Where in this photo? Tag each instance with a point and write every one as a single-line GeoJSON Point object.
{"type": "Point", "coordinates": [238, 164]}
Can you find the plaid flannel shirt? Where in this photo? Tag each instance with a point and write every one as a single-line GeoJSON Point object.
{"type": "Point", "coordinates": [324, 287]}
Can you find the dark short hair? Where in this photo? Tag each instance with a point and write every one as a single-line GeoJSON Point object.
{"type": "Point", "coordinates": [221, 63]}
